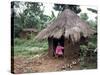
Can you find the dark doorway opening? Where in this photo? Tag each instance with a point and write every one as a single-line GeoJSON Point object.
{"type": "Point", "coordinates": [55, 43]}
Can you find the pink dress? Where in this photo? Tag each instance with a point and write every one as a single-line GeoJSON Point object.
{"type": "Point", "coordinates": [59, 50]}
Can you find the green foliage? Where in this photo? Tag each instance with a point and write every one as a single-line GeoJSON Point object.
{"type": "Point", "coordinates": [91, 45]}
{"type": "Point", "coordinates": [18, 41]}
{"type": "Point", "coordinates": [93, 24]}
{"type": "Point", "coordinates": [84, 16]}
{"type": "Point", "coordinates": [92, 10]}
{"type": "Point", "coordinates": [88, 55]}
{"type": "Point", "coordinates": [32, 16]}
{"type": "Point", "coordinates": [25, 48]}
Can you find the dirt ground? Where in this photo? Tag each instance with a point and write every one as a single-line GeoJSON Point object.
{"type": "Point", "coordinates": [43, 64]}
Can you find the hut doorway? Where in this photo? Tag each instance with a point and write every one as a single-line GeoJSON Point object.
{"type": "Point", "coordinates": [55, 43]}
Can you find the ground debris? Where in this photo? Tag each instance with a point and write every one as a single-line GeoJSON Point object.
{"type": "Point", "coordinates": [43, 64]}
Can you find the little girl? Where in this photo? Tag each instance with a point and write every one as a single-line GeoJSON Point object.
{"type": "Point", "coordinates": [59, 49]}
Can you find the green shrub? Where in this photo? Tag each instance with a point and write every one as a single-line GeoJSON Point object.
{"type": "Point", "coordinates": [18, 41]}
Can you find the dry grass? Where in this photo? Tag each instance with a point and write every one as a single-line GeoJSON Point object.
{"type": "Point", "coordinates": [67, 24]}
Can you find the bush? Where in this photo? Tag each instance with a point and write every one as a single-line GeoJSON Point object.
{"type": "Point", "coordinates": [91, 45]}
{"type": "Point", "coordinates": [18, 41]}
{"type": "Point", "coordinates": [88, 56]}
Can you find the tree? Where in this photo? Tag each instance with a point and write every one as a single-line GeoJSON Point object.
{"type": "Point", "coordinates": [84, 16]}
{"type": "Point", "coordinates": [62, 7]}
{"type": "Point", "coordinates": [32, 16]}
{"type": "Point", "coordinates": [15, 19]}
{"type": "Point", "coordinates": [92, 10]}
{"type": "Point", "coordinates": [88, 52]}
{"type": "Point", "coordinates": [91, 22]}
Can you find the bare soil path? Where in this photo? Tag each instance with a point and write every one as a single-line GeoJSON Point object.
{"type": "Point", "coordinates": [43, 64]}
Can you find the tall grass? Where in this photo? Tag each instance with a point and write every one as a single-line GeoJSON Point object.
{"type": "Point", "coordinates": [30, 47]}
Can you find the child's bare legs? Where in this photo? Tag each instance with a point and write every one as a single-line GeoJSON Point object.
{"type": "Point", "coordinates": [56, 55]}
{"type": "Point", "coordinates": [59, 56]}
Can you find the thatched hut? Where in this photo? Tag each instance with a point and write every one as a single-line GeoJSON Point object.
{"type": "Point", "coordinates": [28, 32]}
{"type": "Point", "coordinates": [68, 29]}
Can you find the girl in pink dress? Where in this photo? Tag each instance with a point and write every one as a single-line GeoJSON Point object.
{"type": "Point", "coordinates": [59, 49]}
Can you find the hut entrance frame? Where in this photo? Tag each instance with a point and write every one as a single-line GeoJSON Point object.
{"type": "Point", "coordinates": [53, 42]}
{"type": "Point", "coordinates": [70, 49]}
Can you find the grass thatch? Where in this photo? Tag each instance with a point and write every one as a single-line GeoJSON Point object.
{"type": "Point", "coordinates": [67, 24]}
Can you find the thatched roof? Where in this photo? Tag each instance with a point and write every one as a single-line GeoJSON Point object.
{"type": "Point", "coordinates": [67, 24]}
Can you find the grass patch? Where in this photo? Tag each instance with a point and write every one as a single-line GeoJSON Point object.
{"type": "Point", "coordinates": [24, 47]}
